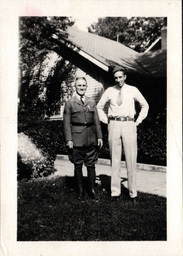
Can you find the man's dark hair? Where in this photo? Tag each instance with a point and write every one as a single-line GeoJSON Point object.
{"type": "Point", "coordinates": [118, 68]}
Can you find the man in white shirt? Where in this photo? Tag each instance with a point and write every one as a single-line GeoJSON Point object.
{"type": "Point", "coordinates": [122, 129]}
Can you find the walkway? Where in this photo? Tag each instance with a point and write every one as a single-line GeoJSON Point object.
{"type": "Point", "coordinates": [150, 179]}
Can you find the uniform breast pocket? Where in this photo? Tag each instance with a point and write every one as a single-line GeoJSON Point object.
{"type": "Point", "coordinates": [75, 111]}
{"type": "Point", "coordinates": [91, 109]}
{"type": "Point", "coordinates": [76, 114]}
{"type": "Point", "coordinates": [90, 115]}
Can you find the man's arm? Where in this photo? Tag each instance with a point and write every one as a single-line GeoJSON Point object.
{"type": "Point", "coordinates": [144, 107]}
{"type": "Point", "coordinates": [67, 125]}
{"type": "Point", "coordinates": [98, 127]}
{"type": "Point", "coordinates": [100, 107]}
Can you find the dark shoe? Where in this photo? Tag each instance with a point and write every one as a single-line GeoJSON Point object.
{"type": "Point", "coordinates": [93, 194]}
{"type": "Point", "coordinates": [81, 196]}
{"type": "Point", "coordinates": [80, 193]}
{"type": "Point", "coordinates": [115, 198]}
{"type": "Point", "coordinates": [133, 200]}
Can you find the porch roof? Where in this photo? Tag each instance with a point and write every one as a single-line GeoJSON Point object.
{"type": "Point", "coordinates": [106, 53]}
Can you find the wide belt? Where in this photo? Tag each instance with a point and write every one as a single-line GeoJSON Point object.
{"type": "Point", "coordinates": [126, 118]}
{"type": "Point", "coordinates": [82, 124]}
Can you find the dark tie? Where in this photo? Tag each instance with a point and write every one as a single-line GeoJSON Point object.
{"type": "Point", "coordinates": [119, 100]}
{"type": "Point", "coordinates": [82, 99]}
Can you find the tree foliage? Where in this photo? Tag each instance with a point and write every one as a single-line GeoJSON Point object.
{"type": "Point", "coordinates": [137, 33]}
{"type": "Point", "coordinates": [40, 64]}
{"type": "Point", "coordinates": [109, 27]}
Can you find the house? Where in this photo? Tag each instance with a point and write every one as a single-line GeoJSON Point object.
{"type": "Point", "coordinates": [94, 56]}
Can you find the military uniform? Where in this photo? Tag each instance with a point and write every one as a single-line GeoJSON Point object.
{"type": "Point", "coordinates": [82, 126]}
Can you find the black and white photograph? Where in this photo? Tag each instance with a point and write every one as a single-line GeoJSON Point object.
{"type": "Point", "coordinates": [118, 70]}
{"type": "Point", "coordinates": [95, 152]}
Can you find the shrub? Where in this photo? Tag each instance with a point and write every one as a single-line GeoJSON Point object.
{"type": "Point", "coordinates": [48, 136]}
{"type": "Point", "coordinates": [32, 162]}
{"type": "Point", "coordinates": [152, 143]}
{"type": "Point", "coordinates": [33, 168]}
{"type": "Point", "coordinates": [151, 138]}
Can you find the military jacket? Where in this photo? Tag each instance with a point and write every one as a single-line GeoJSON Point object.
{"type": "Point", "coordinates": [81, 122]}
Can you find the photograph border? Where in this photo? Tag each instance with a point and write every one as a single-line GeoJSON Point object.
{"type": "Point", "coordinates": [10, 13]}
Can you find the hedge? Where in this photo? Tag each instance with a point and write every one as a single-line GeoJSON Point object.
{"type": "Point", "coordinates": [32, 161]}
{"type": "Point", "coordinates": [49, 137]}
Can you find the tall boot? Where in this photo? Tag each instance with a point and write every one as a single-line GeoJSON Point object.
{"type": "Point", "coordinates": [91, 179]}
{"type": "Point", "coordinates": [79, 179]}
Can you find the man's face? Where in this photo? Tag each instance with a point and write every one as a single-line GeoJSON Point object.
{"type": "Point", "coordinates": [81, 87]}
{"type": "Point", "coordinates": [119, 78]}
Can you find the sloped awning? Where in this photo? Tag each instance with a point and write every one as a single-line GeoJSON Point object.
{"type": "Point", "coordinates": [105, 53]}
{"type": "Point", "coordinates": [154, 62]}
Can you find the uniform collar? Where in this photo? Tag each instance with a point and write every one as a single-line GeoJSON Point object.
{"type": "Point", "coordinates": [77, 99]}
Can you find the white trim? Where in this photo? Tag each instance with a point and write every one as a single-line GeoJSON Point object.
{"type": "Point", "coordinates": [87, 56]}
{"type": "Point", "coordinates": [152, 45]}
{"type": "Point", "coordinates": [84, 54]}
{"type": "Point", "coordinates": [93, 60]}
{"type": "Point", "coordinates": [55, 117]}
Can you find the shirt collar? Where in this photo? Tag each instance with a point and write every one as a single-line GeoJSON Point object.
{"type": "Point", "coordinates": [79, 97]}
{"type": "Point", "coordinates": [118, 88]}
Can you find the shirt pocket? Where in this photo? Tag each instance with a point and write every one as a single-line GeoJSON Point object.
{"type": "Point", "coordinates": [91, 112]}
{"type": "Point", "coordinates": [75, 110]}
{"type": "Point", "coordinates": [91, 109]}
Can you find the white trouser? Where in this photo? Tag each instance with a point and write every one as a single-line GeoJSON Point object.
{"type": "Point", "coordinates": [123, 133]}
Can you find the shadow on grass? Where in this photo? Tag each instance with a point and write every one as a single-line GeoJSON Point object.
{"type": "Point", "coordinates": [106, 184]}
{"type": "Point", "coordinates": [49, 210]}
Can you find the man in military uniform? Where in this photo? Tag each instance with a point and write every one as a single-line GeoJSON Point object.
{"type": "Point", "coordinates": [83, 134]}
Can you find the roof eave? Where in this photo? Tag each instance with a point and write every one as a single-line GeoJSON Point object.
{"type": "Point", "coordinates": [93, 60]}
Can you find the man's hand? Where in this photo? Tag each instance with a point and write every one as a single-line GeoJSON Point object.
{"type": "Point", "coordinates": [69, 144]}
{"type": "Point", "coordinates": [100, 143]}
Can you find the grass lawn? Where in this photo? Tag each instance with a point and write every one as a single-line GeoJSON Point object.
{"type": "Point", "coordinates": [48, 210]}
